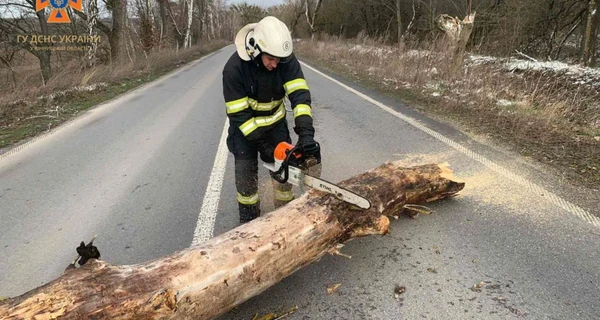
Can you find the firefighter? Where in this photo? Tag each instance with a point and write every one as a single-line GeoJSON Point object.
{"type": "Point", "coordinates": [256, 80]}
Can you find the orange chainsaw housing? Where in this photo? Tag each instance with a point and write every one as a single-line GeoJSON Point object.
{"type": "Point", "coordinates": [282, 149]}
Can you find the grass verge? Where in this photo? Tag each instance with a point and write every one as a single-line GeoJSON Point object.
{"type": "Point", "coordinates": [28, 112]}
{"type": "Point", "coordinates": [551, 117]}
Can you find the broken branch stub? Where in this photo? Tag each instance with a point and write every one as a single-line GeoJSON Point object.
{"type": "Point", "coordinates": [458, 33]}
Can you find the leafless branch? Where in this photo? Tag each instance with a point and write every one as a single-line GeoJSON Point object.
{"type": "Point", "coordinates": [526, 56]}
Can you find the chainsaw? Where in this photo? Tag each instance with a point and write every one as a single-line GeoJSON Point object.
{"type": "Point", "coordinates": [292, 166]}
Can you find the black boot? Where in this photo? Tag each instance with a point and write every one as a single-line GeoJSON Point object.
{"type": "Point", "coordinates": [249, 212]}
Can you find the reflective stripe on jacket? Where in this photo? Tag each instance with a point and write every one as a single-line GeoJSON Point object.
{"type": "Point", "coordinates": [254, 96]}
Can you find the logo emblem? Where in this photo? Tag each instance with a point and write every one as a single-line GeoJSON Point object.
{"type": "Point", "coordinates": [59, 9]}
{"type": "Point", "coordinates": [286, 46]}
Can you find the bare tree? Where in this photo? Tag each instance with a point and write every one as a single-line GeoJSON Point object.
{"type": "Point", "coordinates": [7, 54]}
{"type": "Point", "coordinates": [209, 21]}
{"type": "Point", "coordinates": [164, 20]}
{"type": "Point", "coordinates": [42, 55]}
{"type": "Point", "coordinates": [197, 25]}
{"type": "Point", "coordinates": [249, 13]}
{"type": "Point", "coordinates": [179, 36]}
{"type": "Point", "coordinates": [92, 19]}
{"type": "Point", "coordinates": [21, 24]}
{"type": "Point", "coordinates": [567, 36]}
{"type": "Point", "coordinates": [399, 21]}
{"type": "Point", "coordinates": [595, 33]}
{"type": "Point", "coordinates": [402, 33]}
{"type": "Point", "coordinates": [311, 16]}
{"type": "Point", "coordinates": [146, 24]}
{"type": "Point", "coordinates": [296, 13]}
{"type": "Point", "coordinates": [589, 34]}
{"type": "Point", "coordinates": [187, 42]}
{"type": "Point", "coordinates": [458, 33]}
{"type": "Point", "coordinates": [118, 33]}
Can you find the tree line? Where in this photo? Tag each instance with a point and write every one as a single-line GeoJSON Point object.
{"type": "Point", "coordinates": [128, 29]}
{"type": "Point", "coordinates": [124, 30]}
{"type": "Point", "coordinates": [545, 29]}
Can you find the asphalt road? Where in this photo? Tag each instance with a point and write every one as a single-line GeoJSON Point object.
{"type": "Point", "coordinates": [135, 171]}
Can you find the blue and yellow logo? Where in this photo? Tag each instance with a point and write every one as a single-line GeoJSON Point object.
{"type": "Point", "coordinates": [59, 9]}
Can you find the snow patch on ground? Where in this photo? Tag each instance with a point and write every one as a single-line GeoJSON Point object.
{"type": "Point", "coordinates": [433, 71]}
{"type": "Point", "coordinates": [377, 51]}
{"type": "Point", "coordinates": [477, 60]}
{"type": "Point", "coordinates": [574, 74]}
{"type": "Point", "coordinates": [580, 75]}
{"type": "Point", "coordinates": [433, 86]}
{"type": "Point", "coordinates": [504, 103]}
{"type": "Point", "coordinates": [417, 53]}
{"type": "Point", "coordinates": [88, 88]}
{"type": "Point", "coordinates": [555, 66]}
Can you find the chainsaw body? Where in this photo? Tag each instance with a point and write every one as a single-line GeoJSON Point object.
{"type": "Point", "coordinates": [291, 166]}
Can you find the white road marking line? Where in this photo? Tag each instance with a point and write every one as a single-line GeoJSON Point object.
{"type": "Point", "coordinates": [210, 204]}
{"type": "Point", "coordinates": [554, 199]}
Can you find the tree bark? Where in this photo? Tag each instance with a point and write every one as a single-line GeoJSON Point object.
{"type": "Point", "coordinates": [101, 26]}
{"type": "Point", "coordinates": [296, 15]}
{"type": "Point", "coordinates": [595, 31]}
{"type": "Point", "coordinates": [399, 21]}
{"type": "Point", "coordinates": [179, 37]}
{"type": "Point", "coordinates": [187, 42]}
{"type": "Point", "coordinates": [312, 17]}
{"type": "Point", "coordinates": [118, 34]}
{"type": "Point", "coordinates": [589, 34]}
{"type": "Point", "coordinates": [458, 33]}
{"type": "Point", "coordinates": [412, 20]}
{"type": "Point", "coordinates": [12, 71]}
{"type": "Point", "coordinates": [564, 40]}
{"type": "Point", "coordinates": [92, 19]}
{"type": "Point", "coordinates": [209, 279]}
{"type": "Point", "coordinates": [199, 31]}
{"type": "Point", "coordinates": [212, 16]}
{"type": "Point", "coordinates": [44, 55]}
{"type": "Point", "coordinates": [164, 21]}
{"type": "Point", "coordinates": [432, 14]}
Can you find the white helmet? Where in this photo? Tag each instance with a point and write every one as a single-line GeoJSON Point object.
{"type": "Point", "coordinates": [269, 35]}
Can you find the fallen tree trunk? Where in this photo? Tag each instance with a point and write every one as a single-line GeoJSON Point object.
{"type": "Point", "coordinates": [204, 281]}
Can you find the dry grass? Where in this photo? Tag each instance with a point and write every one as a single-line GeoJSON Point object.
{"type": "Point", "coordinates": [31, 108]}
{"type": "Point", "coordinates": [72, 73]}
{"type": "Point", "coordinates": [550, 116]}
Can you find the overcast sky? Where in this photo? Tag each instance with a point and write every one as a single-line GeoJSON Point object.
{"type": "Point", "coordinates": [262, 3]}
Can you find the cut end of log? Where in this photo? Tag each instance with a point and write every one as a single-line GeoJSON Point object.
{"type": "Point", "coordinates": [446, 172]}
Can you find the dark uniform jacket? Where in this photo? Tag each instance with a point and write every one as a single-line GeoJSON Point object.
{"type": "Point", "coordinates": [254, 96]}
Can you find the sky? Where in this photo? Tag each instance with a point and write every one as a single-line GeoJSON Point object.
{"type": "Point", "coordinates": [262, 3]}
